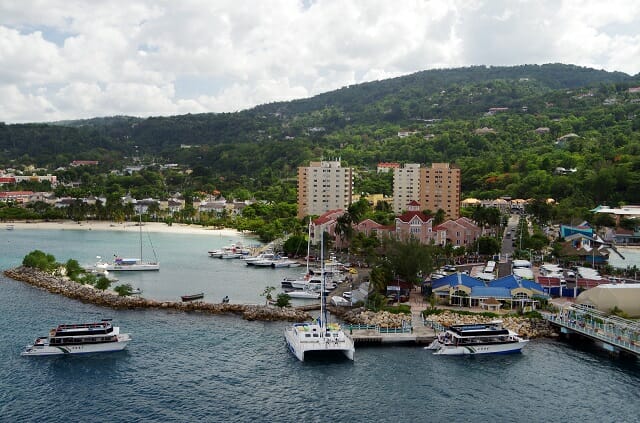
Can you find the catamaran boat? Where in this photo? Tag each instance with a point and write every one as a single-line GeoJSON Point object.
{"type": "Point", "coordinates": [81, 338]}
{"type": "Point", "coordinates": [319, 337]}
{"type": "Point", "coordinates": [489, 338]}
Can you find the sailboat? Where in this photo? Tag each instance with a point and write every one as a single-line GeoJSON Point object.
{"type": "Point", "coordinates": [120, 264]}
{"type": "Point", "coordinates": [319, 337]}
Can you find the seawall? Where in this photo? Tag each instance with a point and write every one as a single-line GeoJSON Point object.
{"type": "Point", "coordinates": [89, 294]}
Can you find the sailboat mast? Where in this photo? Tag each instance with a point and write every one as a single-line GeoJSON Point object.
{"type": "Point", "coordinates": [323, 305]}
{"type": "Point", "coordinates": [308, 246]}
{"type": "Point", "coordinates": [140, 226]}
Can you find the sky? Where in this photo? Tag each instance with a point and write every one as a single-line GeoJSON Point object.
{"type": "Point", "coordinates": [73, 59]}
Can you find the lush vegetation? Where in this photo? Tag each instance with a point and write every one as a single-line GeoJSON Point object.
{"type": "Point", "coordinates": [562, 132]}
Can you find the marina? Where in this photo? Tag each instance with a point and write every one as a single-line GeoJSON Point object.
{"type": "Point", "coordinates": [262, 364]}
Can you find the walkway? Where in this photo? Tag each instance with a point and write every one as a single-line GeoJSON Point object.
{"type": "Point", "coordinates": [616, 334]}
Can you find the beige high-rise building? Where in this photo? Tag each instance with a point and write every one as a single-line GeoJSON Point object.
{"type": "Point", "coordinates": [324, 186]}
{"type": "Point", "coordinates": [406, 186]}
{"type": "Point", "coordinates": [440, 187]}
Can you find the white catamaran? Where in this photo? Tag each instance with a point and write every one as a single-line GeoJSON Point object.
{"type": "Point", "coordinates": [80, 338]}
{"type": "Point", "coordinates": [484, 338]}
{"type": "Point", "coordinates": [318, 338]}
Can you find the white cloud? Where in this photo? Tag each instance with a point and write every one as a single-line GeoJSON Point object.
{"type": "Point", "coordinates": [69, 59]}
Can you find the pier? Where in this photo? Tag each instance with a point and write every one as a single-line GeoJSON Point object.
{"type": "Point", "coordinates": [615, 334]}
{"type": "Point", "coordinates": [415, 332]}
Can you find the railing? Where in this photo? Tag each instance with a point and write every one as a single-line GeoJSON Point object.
{"type": "Point", "coordinates": [434, 325]}
{"type": "Point", "coordinates": [406, 328]}
{"type": "Point", "coordinates": [609, 332]}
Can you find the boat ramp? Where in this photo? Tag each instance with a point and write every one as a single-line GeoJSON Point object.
{"type": "Point", "coordinates": [612, 333]}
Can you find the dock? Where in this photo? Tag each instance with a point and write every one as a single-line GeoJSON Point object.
{"type": "Point", "coordinates": [612, 333]}
{"type": "Point", "coordinates": [418, 332]}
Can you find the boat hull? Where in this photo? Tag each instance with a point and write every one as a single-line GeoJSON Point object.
{"type": "Point", "coordinates": [301, 347]}
{"type": "Point", "coordinates": [104, 347]}
{"type": "Point", "coordinates": [133, 267]}
{"type": "Point", "coordinates": [479, 349]}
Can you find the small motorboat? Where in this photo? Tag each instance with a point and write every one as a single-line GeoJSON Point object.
{"type": "Point", "coordinates": [225, 300]}
{"type": "Point", "coordinates": [192, 297]}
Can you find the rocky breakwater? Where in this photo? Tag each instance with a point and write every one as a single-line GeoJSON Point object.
{"type": "Point", "coordinates": [89, 294]}
{"type": "Point", "coordinates": [383, 319]}
{"type": "Point", "coordinates": [523, 326]}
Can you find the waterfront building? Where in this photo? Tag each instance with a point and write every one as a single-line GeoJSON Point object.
{"type": "Point", "coordinates": [466, 291]}
{"type": "Point", "coordinates": [324, 186]}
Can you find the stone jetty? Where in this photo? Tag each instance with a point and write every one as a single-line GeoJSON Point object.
{"type": "Point", "coordinates": [89, 294]}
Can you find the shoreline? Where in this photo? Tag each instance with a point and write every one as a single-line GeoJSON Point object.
{"type": "Point", "coordinates": [102, 225]}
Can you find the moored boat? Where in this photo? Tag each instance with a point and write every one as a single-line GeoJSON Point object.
{"type": "Point", "coordinates": [320, 337]}
{"type": "Point", "coordinates": [489, 338]}
{"type": "Point", "coordinates": [81, 338]}
{"type": "Point", "coordinates": [192, 297]}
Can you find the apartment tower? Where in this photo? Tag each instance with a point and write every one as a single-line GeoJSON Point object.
{"type": "Point", "coordinates": [324, 186]}
{"type": "Point", "coordinates": [439, 188]}
{"type": "Point", "coordinates": [406, 186]}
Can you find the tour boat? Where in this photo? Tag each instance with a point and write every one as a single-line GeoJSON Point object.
{"type": "Point", "coordinates": [319, 337]}
{"type": "Point", "coordinates": [81, 338]}
{"type": "Point", "coordinates": [489, 338]}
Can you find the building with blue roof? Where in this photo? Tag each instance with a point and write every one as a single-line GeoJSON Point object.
{"type": "Point", "coordinates": [463, 290]}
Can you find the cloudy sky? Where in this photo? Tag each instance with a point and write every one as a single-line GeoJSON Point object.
{"type": "Point", "coordinates": [70, 59]}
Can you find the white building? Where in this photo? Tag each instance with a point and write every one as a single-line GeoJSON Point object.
{"type": "Point", "coordinates": [324, 186]}
{"type": "Point", "coordinates": [406, 186]}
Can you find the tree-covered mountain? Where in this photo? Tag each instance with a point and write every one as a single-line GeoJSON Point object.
{"type": "Point", "coordinates": [513, 150]}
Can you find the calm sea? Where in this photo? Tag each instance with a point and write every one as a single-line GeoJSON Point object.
{"type": "Point", "coordinates": [193, 367]}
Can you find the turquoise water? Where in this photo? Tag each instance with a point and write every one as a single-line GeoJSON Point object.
{"type": "Point", "coordinates": [193, 367]}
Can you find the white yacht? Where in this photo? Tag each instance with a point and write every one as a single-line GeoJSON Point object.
{"type": "Point", "coordinates": [489, 338]}
{"type": "Point", "coordinates": [81, 338]}
{"type": "Point", "coordinates": [319, 337]}
{"type": "Point", "coordinates": [304, 294]}
{"type": "Point", "coordinates": [120, 264]}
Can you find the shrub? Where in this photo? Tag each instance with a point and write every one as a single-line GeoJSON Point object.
{"type": "Point", "coordinates": [39, 260]}
{"type": "Point", "coordinates": [283, 300]}
{"type": "Point", "coordinates": [124, 289]}
{"type": "Point", "coordinates": [103, 283]}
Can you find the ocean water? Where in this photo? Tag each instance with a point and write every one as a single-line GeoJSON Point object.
{"type": "Point", "coordinates": [192, 367]}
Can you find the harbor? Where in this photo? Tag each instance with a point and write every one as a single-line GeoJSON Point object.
{"type": "Point", "coordinates": [186, 358]}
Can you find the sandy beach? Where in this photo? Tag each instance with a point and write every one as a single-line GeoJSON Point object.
{"type": "Point", "coordinates": [91, 225]}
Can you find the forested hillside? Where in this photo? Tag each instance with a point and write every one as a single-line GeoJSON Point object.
{"type": "Point", "coordinates": [593, 122]}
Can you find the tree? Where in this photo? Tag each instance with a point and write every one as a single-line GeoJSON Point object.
{"type": "Point", "coordinates": [103, 283]}
{"type": "Point", "coordinates": [284, 300]}
{"type": "Point", "coordinates": [73, 269]}
{"type": "Point", "coordinates": [39, 260]}
{"type": "Point", "coordinates": [267, 293]}
{"type": "Point", "coordinates": [124, 289]}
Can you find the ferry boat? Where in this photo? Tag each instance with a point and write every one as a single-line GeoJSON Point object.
{"type": "Point", "coordinates": [489, 338]}
{"type": "Point", "coordinates": [80, 338]}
